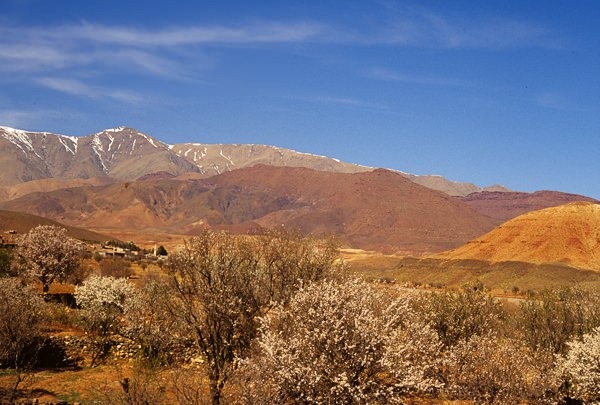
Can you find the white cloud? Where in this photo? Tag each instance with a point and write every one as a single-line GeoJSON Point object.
{"type": "Point", "coordinates": [78, 88]}
{"type": "Point", "coordinates": [393, 76]}
{"type": "Point", "coordinates": [266, 32]}
{"type": "Point", "coordinates": [343, 101]}
{"type": "Point", "coordinates": [180, 53]}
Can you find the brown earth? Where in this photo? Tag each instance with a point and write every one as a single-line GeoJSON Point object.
{"type": "Point", "coordinates": [380, 209]}
{"type": "Point", "coordinates": [503, 206]}
{"type": "Point", "coordinates": [23, 223]}
{"type": "Point", "coordinates": [45, 185]}
{"type": "Point", "coordinates": [568, 234]}
{"type": "Point", "coordinates": [503, 278]}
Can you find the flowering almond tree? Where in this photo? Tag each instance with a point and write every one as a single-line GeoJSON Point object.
{"type": "Point", "coordinates": [222, 283]}
{"type": "Point", "coordinates": [580, 368]}
{"type": "Point", "coordinates": [47, 253]}
{"type": "Point", "coordinates": [341, 342]}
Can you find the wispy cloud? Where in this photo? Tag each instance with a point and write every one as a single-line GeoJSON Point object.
{"type": "Point", "coordinates": [180, 53]}
{"type": "Point", "coordinates": [27, 119]}
{"type": "Point", "coordinates": [426, 29]}
{"type": "Point", "coordinates": [393, 76]}
{"type": "Point", "coordinates": [416, 26]}
{"type": "Point", "coordinates": [78, 88]}
{"type": "Point", "coordinates": [342, 101]}
{"type": "Point", "coordinates": [264, 32]}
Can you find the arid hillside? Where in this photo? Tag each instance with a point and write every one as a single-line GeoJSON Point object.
{"type": "Point", "coordinates": [380, 210]}
{"type": "Point", "coordinates": [45, 185]}
{"type": "Point", "coordinates": [503, 206]}
{"type": "Point", "coordinates": [568, 234]}
{"type": "Point", "coordinates": [23, 223]}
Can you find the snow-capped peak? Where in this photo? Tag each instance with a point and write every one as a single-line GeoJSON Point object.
{"type": "Point", "coordinates": [133, 132]}
{"type": "Point", "coordinates": [117, 129]}
{"type": "Point", "coordinates": [20, 139]}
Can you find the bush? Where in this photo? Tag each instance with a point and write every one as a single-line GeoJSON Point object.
{"type": "Point", "coordinates": [21, 314]}
{"type": "Point", "coordinates": [340, 343]}
{"type": "Point", "coordinates": [103, 300]}
{"type": "Point", "coordinates": [80, 274]}
{"type": "Point", "coordinates": [222, 283]}
{"type": "Point", "coordinates": [150, 322]}
{"type": "Point", "coordinates": [552, 318]}
{"type": "Point", "coordinates": [115, 267]}
{"type": "Point", "coordinates": [580, 368]}
{"type": "Point", "coordinates": [487, 369]}
{"type": "Point", "coordinates": [6, 263]}
{"type": "Point", "coordinates": [457, 316]}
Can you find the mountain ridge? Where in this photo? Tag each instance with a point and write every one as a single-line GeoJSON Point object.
{"type": "Point", "coordinates": [127, 154]}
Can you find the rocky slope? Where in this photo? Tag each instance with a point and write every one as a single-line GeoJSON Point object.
{"type": "Point", "coordinates": [567, 234]}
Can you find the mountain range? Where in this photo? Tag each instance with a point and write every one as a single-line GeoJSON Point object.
{"type": "Point", "coordinates": [127, 154]}
{"type": "Point", "coordinates": [121, 179]}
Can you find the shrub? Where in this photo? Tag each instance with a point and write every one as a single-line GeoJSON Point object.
{"type": "Point", "coordinates": [80, 274]}
{"type": "Point", "coordinates": [222, 283]}
{"type": "Point", "coordinates": [457, 316]}
{"type": "Point", "coordinates": [103, 300]}
{"type": "Point", "coordinates": [161, 251]}
{"type": "Point", "coordinates": [5, 263]}
{"type": "Point", "coordinates": [150, 322]}
{"type": "Point", "coordinates": [552, 318]}
{"type": "Point", "coordinates": [115, 267]}
{"type": "Point", "coordinates": [340, 343]}
{"type": "Point", "coordinates": [21, 314]}
{"type": "Point", "coordinates": [580, 368]}
{"type": "Point", "coordinates": [487, 369]}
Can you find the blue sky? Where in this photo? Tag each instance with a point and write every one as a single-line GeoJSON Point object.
{"type": "Point", "coordinates": [484, 91]}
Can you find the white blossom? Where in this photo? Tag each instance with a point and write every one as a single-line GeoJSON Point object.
{"type": "Point", "coordinates": [580, 368]}
{"type": "Point", "coordinates": [103, 300]}
{"type": "Point", "coordinates": [47, 253]}
{"type": "Point", "coordinates": [489, 369]}
{"type": "Point", "coordinates": [341, 342]}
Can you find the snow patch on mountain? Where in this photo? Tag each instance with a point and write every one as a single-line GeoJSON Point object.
{"type": "Point", "coordinates": [97, 147]}
{"type": "Point", "coordinates": [65, 140]}
{"type": "Point", "coordinates": [20, 139]}
{"type": "Point", "coordinates": [117, 129]}
{"type": "Point", "coordinates": [226, 157]}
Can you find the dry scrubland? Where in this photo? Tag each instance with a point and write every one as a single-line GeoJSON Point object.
{"type": "Point", "coordinates": [278, 318]}
{"type": "Point", "coordinates": [512, 277]}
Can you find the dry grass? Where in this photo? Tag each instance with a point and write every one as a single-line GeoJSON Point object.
{"type": "Point", "coordinates": [501, 277]}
